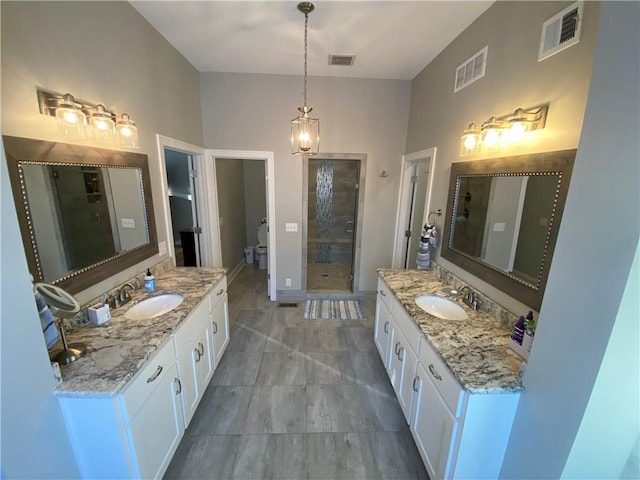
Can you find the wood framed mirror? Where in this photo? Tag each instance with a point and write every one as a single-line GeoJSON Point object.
{"type": "Point", "coordinates": [85, 213]}
{"type": "Point", "coordinates": [503, 217]}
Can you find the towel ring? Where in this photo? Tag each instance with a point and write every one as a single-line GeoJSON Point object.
{"type": "Point", "coordinates": [437, 212]}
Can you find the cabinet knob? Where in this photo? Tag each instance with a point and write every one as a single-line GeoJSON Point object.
{"type": "Point", "coordinates": [219, 292]}
{"type": "Point", "coordinates": [382, 293]}
{"type": "Point", "coordinates": [177, 380]}
{"type": "Point", "coordinates": [155, 375]}
{"type": "Point", "coordinates": [386, 327]}
{"type": "Point", "coordinates": [196, 351]}
{"type": "Point", "coordinates": [434, 373]}
{"type": "Point", "coordinates": [401, 352]}
{"type": "Point", "coordinates": [215, 328]}
{"type": "Point", "coordinates": [416, 380]}
{"type": "Point", "coordinates": [201, 349]}
{"type": "Point", "coordinates": [396, 349]}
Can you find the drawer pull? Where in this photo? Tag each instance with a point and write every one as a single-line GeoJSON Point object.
{"type": "Point", "coordinates": [401, 352]}
{"type": "Point", "coordinates": [416, 379]}
{"type": "Point", "coordinates": [177, 380]}
{"type": "Point", "coordinates": [215, 328]}
{"type": "Point", "coordinates": [396, 349]}
{"type": "Point", "coordinates": [386, 327]}
{"type": "Point", "coordinates": [434, 373]}
{"type": "Point", "coordinates": [382, 293]}
{"type": "Point", "coordinates": [220, 292]}
{"type": "Point", "coordinates": [155, 375]}
{"type": "Point", "coordinates": [198, 354]}
{"type": "Point", "coordinates": [200, 349]}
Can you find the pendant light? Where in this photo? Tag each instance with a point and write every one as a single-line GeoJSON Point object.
{"type": "Point", "coordinates": [305, 130]}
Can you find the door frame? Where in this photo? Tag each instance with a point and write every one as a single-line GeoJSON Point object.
{"type": "Point", "coordinates": [208, 256]}
{"type": "Point", "coordinates": [404, 199]}
{"type": "Point", "coordinates": [357, 246]}
{"type": "Point", "coordinates": [212, 211]}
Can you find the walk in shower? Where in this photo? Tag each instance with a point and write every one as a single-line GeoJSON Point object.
{"type": "Point", "coordinates": [332, 221]}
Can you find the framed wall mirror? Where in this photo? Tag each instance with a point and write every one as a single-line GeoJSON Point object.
{"type": "Point", "coordinates": [502, 219]}
{"type": "Point", "coordinates": [85, 213]}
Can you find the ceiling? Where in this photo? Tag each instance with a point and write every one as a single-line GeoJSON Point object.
{"type": "Point", "coordinates": [391, 39]}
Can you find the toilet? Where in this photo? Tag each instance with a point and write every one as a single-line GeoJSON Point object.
{"type": "Point", "coordinates": [261, 247]}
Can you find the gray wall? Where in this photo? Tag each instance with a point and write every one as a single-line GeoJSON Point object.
{"type": "Point", "coordinates": [356, 116]}
{"type": "Point", "coordinates": [583, 298]}
{"type": "Point", "coordinates": [255, 197]}
{"type": "Point", "coordinates": [102, 52]}
{"type": "Point", "coordinates": [231, 208]}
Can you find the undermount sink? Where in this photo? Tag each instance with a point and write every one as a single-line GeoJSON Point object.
{"type": "Point", "coordinates": [154, 306]}
{"type": "Point", "coordinates": [441, 307]}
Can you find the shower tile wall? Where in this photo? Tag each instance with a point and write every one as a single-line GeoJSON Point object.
{"type": "Point", "coordinates": [332, 201]}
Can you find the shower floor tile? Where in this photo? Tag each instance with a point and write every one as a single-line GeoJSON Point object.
{"type": "Point", "coordinates": [328, 277]}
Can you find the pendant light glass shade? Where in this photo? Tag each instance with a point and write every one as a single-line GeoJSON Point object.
{"type": "Point", "coordinates": [71, 119]}
{"type": "Point", "coordinates": [127, 132]}
{"type": "Point", "coordinates": [103, 126]}
{"type": "Point", "coordinates": [305, 130]}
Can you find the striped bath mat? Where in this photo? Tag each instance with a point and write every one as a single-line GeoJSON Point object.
{"type": "Point", "coordinates": [334, 309]}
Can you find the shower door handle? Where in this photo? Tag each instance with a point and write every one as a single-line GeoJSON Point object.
{"type": "Point", "coordinates": [348, 226]}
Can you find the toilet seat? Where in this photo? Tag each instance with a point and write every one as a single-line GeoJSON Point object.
{"type": "Point", "coordinates": [262, 235]}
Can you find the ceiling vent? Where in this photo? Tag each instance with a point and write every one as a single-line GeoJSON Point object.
{"type": "Point", "coordinates": [561, 31]}
{"type": "Point", "coordinates": [471, 70]}
{"type": "Point", "coordinates": [345, 59]}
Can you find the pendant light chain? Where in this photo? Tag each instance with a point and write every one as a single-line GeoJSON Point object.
{"type": "Point", "coordinates": [306, 23]}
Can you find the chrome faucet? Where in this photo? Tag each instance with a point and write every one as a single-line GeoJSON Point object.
{"type": "Point", "coordinates": [470, 297]}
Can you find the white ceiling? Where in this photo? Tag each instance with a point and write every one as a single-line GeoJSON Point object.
{"type": "Point", "coordinates": [391, 39]}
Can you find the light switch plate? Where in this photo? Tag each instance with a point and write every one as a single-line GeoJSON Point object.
{"type": "Point", "coordinates": [128, 223]}
{"type": "Point", "coordinates": [499, 226]}
{"type": "Point", "coordinates": [290, 227]}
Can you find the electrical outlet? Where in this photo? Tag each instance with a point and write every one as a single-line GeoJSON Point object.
{"type": "Point", "coordinates": [287, 282]}
{"type": "Point", "coordinates": [128, 223]}
{"type": "Point", "coordinates": [290, 227]}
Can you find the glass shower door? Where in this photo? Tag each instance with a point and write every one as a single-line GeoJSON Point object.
{"type": "Point", "coordinates": [332, 220]}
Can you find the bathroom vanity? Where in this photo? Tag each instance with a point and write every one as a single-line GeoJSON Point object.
{"type": "Point", "coordinates": [457, 381]}
{"type": "Point", "coordinates": [128, 401]}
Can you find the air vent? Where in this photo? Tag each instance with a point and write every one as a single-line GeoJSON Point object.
{"type": "Point", "coordinates": [471, 70]}
{"type": "Point", "coordinates": [345, 59]}
{"type": "Point", "coordinates": [561, 31]}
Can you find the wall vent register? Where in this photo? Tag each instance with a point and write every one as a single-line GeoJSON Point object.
{"type": "Point", "coordinates": [471, 70]}
{"type": "Point", "coordinates": [561, 31]}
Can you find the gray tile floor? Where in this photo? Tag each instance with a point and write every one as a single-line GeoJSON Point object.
{"type": "Point", "coordinates": [296, 399]}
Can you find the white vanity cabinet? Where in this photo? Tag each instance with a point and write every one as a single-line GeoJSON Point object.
{"type": "Point", "coordinates": [458, 434]}
{"type": "Point", "coordinates": [135, 433]}
{"type": "Point", "coordinates": [219, 321]}
{"type": "Point", "coordinates": [193, 348]}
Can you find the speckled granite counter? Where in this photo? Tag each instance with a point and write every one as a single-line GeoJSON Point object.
{"type": "Point", "coordinates": [475, 350]}
{"type": "Point", "coordinates": [119, 348]}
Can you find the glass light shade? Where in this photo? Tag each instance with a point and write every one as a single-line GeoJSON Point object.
{"type": "Point", "coordinates": [71, 120]}
{"type": "Point", "coordinates": [470, 141]}
{"type": "Point", "coordinates": [305, 135]}
{"type": "Point", "coordinates": [491, 135]}
{"type": "Point", "coordinates": [127, 132]}
{"type": "Point", "coordinates": [102, 125]}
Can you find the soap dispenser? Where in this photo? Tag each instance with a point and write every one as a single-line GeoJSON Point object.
{"type": "Point", "coordinates": [149, 282]}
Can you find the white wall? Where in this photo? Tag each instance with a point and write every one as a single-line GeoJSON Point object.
{"type": "Point", "coordinates": [586, 283]}
{"type": "Point", "coordinates": [254, 112]}
{"type": "Point", "coordinates": [128, 203]}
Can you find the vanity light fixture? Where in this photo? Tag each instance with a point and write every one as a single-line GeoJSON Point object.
{"type": "Point", "coordinates": [305, 130]}
{"type": "Point", "coordinates": [497, 133]}
{"type": "Point", "coordinates": [79, 120]}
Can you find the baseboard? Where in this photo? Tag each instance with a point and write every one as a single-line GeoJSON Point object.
{"type": "Point", "coordinates": [236, 270]}
{"type": "Point", "coordinates": [301, 295]}
{"type": "Point", "coordinates": [291, 295]}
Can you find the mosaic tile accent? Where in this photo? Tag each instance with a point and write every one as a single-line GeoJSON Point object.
{"type": "Point", "coordinates": [324, 208]}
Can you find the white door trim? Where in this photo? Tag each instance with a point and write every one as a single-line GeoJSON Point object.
{"type": "Point", "coordinates": [404, 199]}
{"type": "Point", "coordinates": [198, 154]}
{"type": "Point", "coordinates": [212, 203]}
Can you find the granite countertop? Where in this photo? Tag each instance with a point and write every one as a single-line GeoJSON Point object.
{"type": "Point", "coordinates": [119, 348]}
{"type": "Point", "coordinates": [475, 350]}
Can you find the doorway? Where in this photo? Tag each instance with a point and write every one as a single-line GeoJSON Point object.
{"type": "Point", "coordinates": [333, 208]}
{"type": "Point", "coordinates": [183, 208]}
{"type": "Point", "coordinates": [414, 205]}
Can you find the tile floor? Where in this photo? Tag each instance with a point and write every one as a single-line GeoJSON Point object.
{"type": "Point", "coordinates": [296, 399]}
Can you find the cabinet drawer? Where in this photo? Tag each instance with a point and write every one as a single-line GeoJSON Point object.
{"type": "Point", "coordinates": [409, 328]}
{"type": "Point", "coordinates": [217, 292]}
{"type": "Point", "coordinates": [145, 381]}
{"type": "Point", "coordinates": [195, 322]}
{"type": "Point", "coordinates": [445, 382]}
{"type": "Point", "coordinates": [385, 294]}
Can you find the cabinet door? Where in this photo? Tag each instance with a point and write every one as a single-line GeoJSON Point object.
{"type": "Point", "coordinates": [220, 329]}
{"type": "Point", "coordinates": [396, 357]}
{"type": "Point", "coordinates": [382, 331]}
{"type": "Point", "coordinates": [433, 426]}
{"type": "Point", "coordinates": [406, 395]}
{"type": "Point", "coordinates": [158, 426]}
{"type": "Point", "coordinates": [203, 358]}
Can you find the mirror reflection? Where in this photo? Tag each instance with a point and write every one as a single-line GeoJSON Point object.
{"type": "Point", "coordinates": [505, 221]}
{"type": "Point", "coordinates": [82, 215]}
